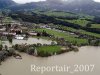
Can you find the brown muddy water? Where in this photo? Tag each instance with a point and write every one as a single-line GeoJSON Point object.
{"type": "Point", "coordinates": [28, 41]}
{"type": "Point", "coordinates": [87, 55]}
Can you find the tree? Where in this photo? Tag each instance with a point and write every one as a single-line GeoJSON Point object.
{"type": "Point", "coordinates": [1, 47]}
{"type": "Point", "coordinates": [39, 44]}
{"type": "Point", "coordinates": [9, 37]}
{"type": "Point", "coordinates": [6, 47]}
{"type": "Point", "coordinates": [16, 46]}
{"type": "Point", "coordinates": [97, 43]}
{"type": "Point", "coordinates": [31, 50]}
{"type": "Point", "coordinates": [89, 41]}
{"type": "Point", "coordinates": [88, 25]}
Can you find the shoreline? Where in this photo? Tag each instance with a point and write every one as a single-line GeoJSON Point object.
{"type": "Point", "coordinates": [18, 53]}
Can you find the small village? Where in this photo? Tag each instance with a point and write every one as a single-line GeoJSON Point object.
{"type": "Point", "coordinates": [22, 31]}
{"type": "Point", "coordinates": [49, 37]}
{"type": "Point", "coordinates": [15, 29]}
{"type": "Point", "coordinates": [41, 40]}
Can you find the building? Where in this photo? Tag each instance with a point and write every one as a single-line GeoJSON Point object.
{"type": "Point", "coordinates": [19, 37]}
{"type": "Point", "coordinates": [18, 29]}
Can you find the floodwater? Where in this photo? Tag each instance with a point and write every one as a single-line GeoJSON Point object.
{"type": "Point", "coordinates": [87, 56]}
{"type": "Point", "coordinates": [28, 41]}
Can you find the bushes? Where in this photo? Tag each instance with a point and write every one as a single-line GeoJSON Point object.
{"type": "Point", "coordinates": [31, 50]}
{"type": "Point", "coordinates": [9, 37]}
{"type": "Point", "coordinates": [41, 50]}
{"type": "Point", "coordinates": [26, 48]}
{"type": "Point", "coordinates": [5, 54]}
{"type": "Point", "coordinates": [53, 43]}
{"type": "Point", "coordinates": [11, 51]}
{"type": "Point", "coordinates": [95, 42]}
{"type": "Point", "coordinates": [20, 48]}
{"type": "Point", "coordinates": [1, 47]}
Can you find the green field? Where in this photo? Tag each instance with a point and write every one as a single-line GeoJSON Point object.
{"type": "Point", "coordinates": [7, 20]}
{"type": "Point", "coordinates": [49, 49]}
{"type": "Point", "coordinates": [80, 31]}
{"type": "Point", "coordinates": [79, 22]}
{"type": "Point", "coordinates": [57, 13]}
{"type": "Point", "coordinates": [66, 36]}
{"type": "Point", "coordinates": [64, 14]}
{"type": "Point", "coordinates": [95, 26]}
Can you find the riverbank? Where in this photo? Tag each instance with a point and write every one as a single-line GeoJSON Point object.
{"type": "Point", "coordinates": [37, 50]}
{"type": "Point", "coordinates": [40, 50]}
{"type": "Point", "coordinates": [6, 53]}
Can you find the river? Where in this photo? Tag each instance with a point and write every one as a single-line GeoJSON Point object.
{"type": "Point", "coordinates": [87, 55]}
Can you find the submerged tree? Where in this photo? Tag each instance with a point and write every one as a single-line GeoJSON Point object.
{"type": "Point", "coordinates": [9, 37]}
{"type": "Point", "coordinates": [31, 50]}
{"type": "Point", "coordinates": [1, 47]}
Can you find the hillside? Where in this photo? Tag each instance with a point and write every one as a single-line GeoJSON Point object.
{"type": "Point", "coordinates": [6, 3]}
{"type": "Point", "coordinates": [76, 6]}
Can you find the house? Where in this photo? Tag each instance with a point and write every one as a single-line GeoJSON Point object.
{"type": "Point", "coordinates": [24, 29]}
{"type": "Point", "coordinates": [16, 29]}
{"type": "Point", "coordinates": [19, 37]}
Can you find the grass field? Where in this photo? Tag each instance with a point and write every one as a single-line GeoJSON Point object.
{"type": "Point", "coordinates": [7, 20]}
{"type": "Point", "coordinates": [80, 22]}
{"type": "Point", "coordinates": [49, 49]}
{"type": "Point", "coordinates": [57, 13]}
{"type": "Point", "coordinates": [64, 14]}
{"type": "Point", "coordinates": [95, 26]}
{"type": "Point", "coordinates": [66, 36]}
{"type": "Point", "coordinates": [45, 51]}
{"type": "Point", "coordinates": [80, 31]}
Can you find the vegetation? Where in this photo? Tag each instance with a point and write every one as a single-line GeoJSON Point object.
{"type": "Point", "coordinates": [5, 53]}
{"type": "Point", "coordinates": [42, 50]}
{"type": "Point", "coordinates": [95, 26]}
{"type": "Point", "coordinates": [66, 36]}
{"type": "Point", "coordinates": [57, 13]}
{"type": "Point", "coordinates": [7, 20]}
{"type": "Point", "coordinates": [79, 31]}
{"type": "Point", "coordinates": [48, 50]}
{"type": "Point", "coordinates": [62, 14]}
{"type": "Point", "coordinates": [66, 28]}
{"type": "Point", "coordinates": [73, 21]}
{"type": "Point", "coordinates": [1, 47]}
{"type": "Point", "coordinates": [79, 22]}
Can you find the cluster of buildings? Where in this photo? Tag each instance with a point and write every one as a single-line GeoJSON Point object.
{"type": "Point", "coordinates": [19, 29]}
{"type": "Point", "coordinates": [16, 29]}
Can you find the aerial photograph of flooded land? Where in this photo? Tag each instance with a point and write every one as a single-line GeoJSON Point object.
{"type": "Point", "coordinates": [49, 37]}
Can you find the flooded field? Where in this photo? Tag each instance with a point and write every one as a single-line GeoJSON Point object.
{"type": "Point", "coordinates": [28, 41]}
